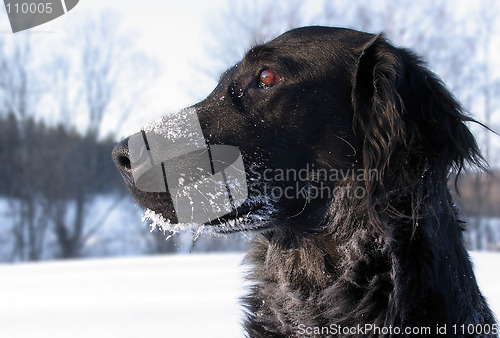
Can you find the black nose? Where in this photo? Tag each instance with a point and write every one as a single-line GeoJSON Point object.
{"type": "Point", "coordinates": [120, 155]}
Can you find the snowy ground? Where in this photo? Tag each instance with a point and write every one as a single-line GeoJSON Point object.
{"type": "Point", "coordinates": [169, 296]}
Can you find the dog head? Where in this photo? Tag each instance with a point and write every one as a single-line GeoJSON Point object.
{"type": "Point", "coordinates": [316, 115]}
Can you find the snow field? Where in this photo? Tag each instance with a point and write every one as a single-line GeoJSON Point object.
{"type": "Point", "coordinates": [156, 296]}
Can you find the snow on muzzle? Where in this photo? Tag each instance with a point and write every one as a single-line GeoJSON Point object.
{"type": "Point", "coordinates": [205, 181]}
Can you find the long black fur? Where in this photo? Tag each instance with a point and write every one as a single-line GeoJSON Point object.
{"type": "Point", "coordinates": [394, 258]}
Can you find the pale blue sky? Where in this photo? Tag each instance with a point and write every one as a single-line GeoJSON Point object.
{"type": "Point", "coordinates": [168, 31]}
{"type": "Point", "coordinates": [172, 32]}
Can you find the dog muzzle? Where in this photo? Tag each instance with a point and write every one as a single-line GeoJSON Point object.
{"type": "Point", "coordinates": [205, 181]}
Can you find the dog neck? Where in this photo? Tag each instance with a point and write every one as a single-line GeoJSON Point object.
{"type": "Point", "coordinates": [315, 271]}
{"type": "Point", "coordinates": [368, 277]}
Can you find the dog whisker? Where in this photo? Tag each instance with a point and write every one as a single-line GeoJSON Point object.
{"type": "Point", "coordinates": [349, 144]}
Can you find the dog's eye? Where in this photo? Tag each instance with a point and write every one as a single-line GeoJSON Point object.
{"type": "Point", "coordinates": [269, 78]}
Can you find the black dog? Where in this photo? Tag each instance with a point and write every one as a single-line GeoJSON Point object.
{"type": "Point", "coordinates": [348, 144]}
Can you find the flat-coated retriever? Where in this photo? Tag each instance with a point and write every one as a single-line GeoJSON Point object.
{"type": "Point", "coordinates": [346, 144]}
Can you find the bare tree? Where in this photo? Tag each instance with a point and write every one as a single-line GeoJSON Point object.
{"type": "Point", "coordinates": [488, 82]}
{"type": "Point", "coordinates": [104, 65]}
{"type": "Point", "coordinates": [17, 98]}
{"type": "Point", "coordinates": [54, 176]}
{"type": "Point", "coordinates": [485, 100]}
{"type": "Point", "coordinates": [242, 25]}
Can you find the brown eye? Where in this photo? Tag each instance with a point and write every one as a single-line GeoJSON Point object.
{"type": "Point", "coordinates": [269, 78]}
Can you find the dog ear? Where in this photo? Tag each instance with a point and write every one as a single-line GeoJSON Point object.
{"type": "Point", "coordinates": [413, 130]}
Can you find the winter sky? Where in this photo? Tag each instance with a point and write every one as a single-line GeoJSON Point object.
{"type": "Point", "coordinates": [171, 32]}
